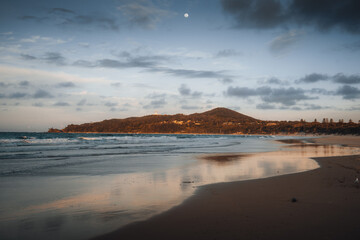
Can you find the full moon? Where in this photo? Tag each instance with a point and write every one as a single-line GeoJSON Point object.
{"type": "Point", "coordinates": [186, 15]}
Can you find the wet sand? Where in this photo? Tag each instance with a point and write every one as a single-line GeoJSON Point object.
{"type": "Point", "coordinates": [319, 204]}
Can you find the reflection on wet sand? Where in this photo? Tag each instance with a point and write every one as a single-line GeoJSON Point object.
{"type": "Point", "coordinates": [106, 202]}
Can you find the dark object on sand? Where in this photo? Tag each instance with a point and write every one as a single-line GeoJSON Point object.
{"type": "Point", "coordinates": [294, 200]}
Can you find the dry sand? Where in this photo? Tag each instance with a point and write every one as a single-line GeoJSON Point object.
{"type": "Point", "coordinates": [320, 204]}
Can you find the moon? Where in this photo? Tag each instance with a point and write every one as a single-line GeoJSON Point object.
{"type": "Point", "coordinates": [186, 15]}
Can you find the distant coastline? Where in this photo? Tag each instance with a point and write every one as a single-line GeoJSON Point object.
{"type": "Point", "coordinates": [216, 121]}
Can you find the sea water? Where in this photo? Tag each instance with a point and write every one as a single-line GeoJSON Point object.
{"type": "Point", "coordinates": [77, 186]}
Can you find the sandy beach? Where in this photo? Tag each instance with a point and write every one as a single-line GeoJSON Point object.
{"type": "Point", "coordinates": [319, 204]}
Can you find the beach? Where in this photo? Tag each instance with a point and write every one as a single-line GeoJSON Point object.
{"type": "Point", "coordinates": [323, 203]}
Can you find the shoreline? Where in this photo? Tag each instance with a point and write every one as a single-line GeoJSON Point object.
{"type": "Point", "coordinates": [318, 204]}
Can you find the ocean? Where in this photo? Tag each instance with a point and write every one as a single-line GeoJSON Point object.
{"type": "Point", "coordinates": [78, 186]}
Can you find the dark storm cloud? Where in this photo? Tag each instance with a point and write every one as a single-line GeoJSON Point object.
{"type": "Point", "coordinates": [66, 85]}
{"type": "Point", "coordinates": [285, 96]}
{"type": "Point", "coordinates": [187, 92]}
{"type": "Point", "coordinates": [255, 13]}
{"type": "Point", "coordinates": [338, 78]}
{"type": "Point", "coordinates": [321, 14]}
{"type": "Point", "coordinates": [348, 92]}
{"type": "Point", "coordinates": [143, 13]}
{"type": "Point", "coordinates": [42, 94]}
{"type": "Point", "coordinates": [228, 53]}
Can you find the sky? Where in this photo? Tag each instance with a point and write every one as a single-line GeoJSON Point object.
{"type": "Point", "coordinates": [64, 62]}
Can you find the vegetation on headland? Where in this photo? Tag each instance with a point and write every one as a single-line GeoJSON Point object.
{"type": "Point", "coordinates": [216, 121]}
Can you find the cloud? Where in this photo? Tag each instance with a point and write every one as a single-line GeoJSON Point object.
{"type": "Point", "coordinates": [285, 96]}
{"type": "Point", "coordinates": [67, 17]}
{"type": "Point", "coordinates": [126, 60]}
{"type": "Point", "coordinates": [313, 77]}
{"type": "Point", "coordinates": [42, 94]}
{"type": "Point", "coordinates": [117, 84]}
{"type": "Point", "coordinates": [186, 91]}
{"type": "Point", "coordinates": [47, 40]}
{"type": "Point", "coordinates": [187, 73]}
{"type": "Point", "coordinates": [226, 80]}
{"type": "Point", "coordinates": [155, 104]}
{"type": "Point", "coordinates": [49, 57]}
{"type": "Point", "coordinates": [348, 92]}
{"type": "Point", "coordinates": [260, 14]}
{"type": "Point", "coordinates": [156, 95]}
{"type": "Point", "coordinates": [228, 53]}
{"type": "Point", "coordinates": [27, 57]}
{"type": "Point", "coordinates": [265, 106]}
{"type": "Point", "coordinates": [187, 107]}
{"type": "Point", "coordinates": [321, 91]}
{"type": "Point", "coordinates": [273, 81]}
{"type": "Point", "coordinates": [283, 42]}
{"type": "Point", "coordinates": [17, 95]}
{"type": "Point", "coordinates": [110, 63]}
{"type": "Point", "coordinates": [314, 107]}
{"type": "Point", "coordinates": [38, 104]}
{"type": "Point", "coordinates": [353, 47]}
{"type": "Point", "coordinates": [24, 83]}
{"type": "Point", "coordinates": [61, 11]}
{"type": "Point", "coordinates": [61, 104]}
{"type": "Point", "coordinates": [245, 92]}
{"type": "Point", "coordinates": [82, 102]}
{"type": "Point", "coordinates": [111, 104]}
{"type": "Point", "coordinates": [351, 79]}
{"type": "Point", "coordinates": [337, 78]}
{"type": "Point", "coordinates": [54, 58]}
{"type": "Point", "coordinates": [3, 85]}
{"type": "Point", "coordinates": [66, 85]}
{"type": "Point", "coordinates": [143, 14]}
{"type": "Point", "coordinates": [323, 15]}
